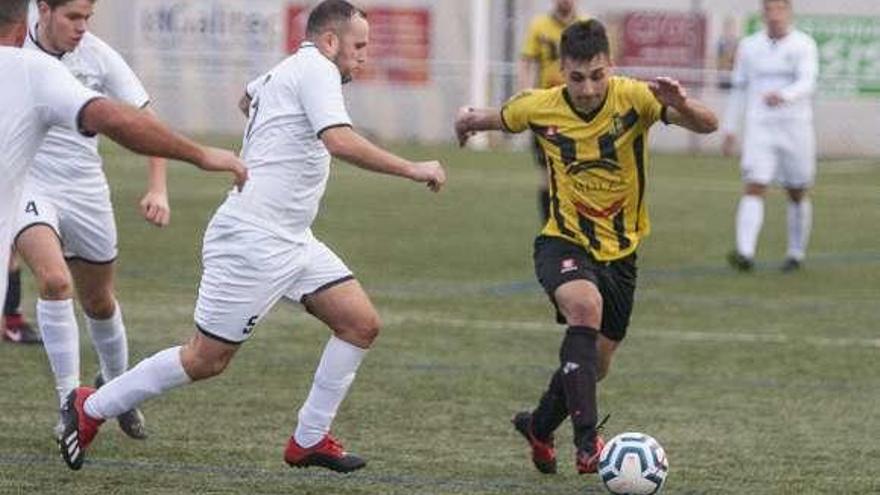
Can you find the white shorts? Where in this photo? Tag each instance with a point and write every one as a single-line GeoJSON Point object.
{"type": "Point", "coordinates": [246, 270]}
{"type": "Point", "coordinates": [85, 225]}
{"type": "Point", "coordinates": [784, 153]}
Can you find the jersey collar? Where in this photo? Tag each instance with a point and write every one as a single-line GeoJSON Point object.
{"type": "Point", "coordinates": [586, 117]}
{"type": "Point", "coordinates": [35, 40]}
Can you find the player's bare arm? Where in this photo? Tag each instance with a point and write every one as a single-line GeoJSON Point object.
{"type": "Point", "coordinates": [343, 142]}
{"type": "Point", "coordinates": [471, 120]}
{"type": "Point", "coordinates": [682, 110]}
{"type": "Point", "coordinates": [145, 134]}
{"type": "Point", "coordinates": [154, 206]}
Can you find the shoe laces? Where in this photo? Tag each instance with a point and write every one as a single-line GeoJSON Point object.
{"type": "Point", "coordinates": [602, 423]}
{"type": "Point", "coordinates": [334, 446]}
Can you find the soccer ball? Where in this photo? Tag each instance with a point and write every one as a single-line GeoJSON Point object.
{"type": "Point", "coordinates": [633, 464]}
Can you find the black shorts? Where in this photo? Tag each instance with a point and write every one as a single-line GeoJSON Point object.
{"type": "Point", "coordinates": [558, 261]}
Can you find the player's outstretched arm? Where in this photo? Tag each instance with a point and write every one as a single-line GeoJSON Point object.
{"type": "Point", "coordinates": [343, 142]}
{"type": "Point", "coordinates": [154, 206]}
{"type": "Point", "coordinates": [681, 110]}
{"type": "Point", "coordinates": [145, 134]}
{"type": "Point", "coordinates": [471, 120]}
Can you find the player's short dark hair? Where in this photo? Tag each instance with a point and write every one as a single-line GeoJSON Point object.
{"type": "Point", "coordinates": [54, 4]}
{"type": "Point", "coordinates": [331, 14]}
{"type": "Point", "coordinates": [583, 40]}
{"type": "Point", "coordinates": [13, 11]}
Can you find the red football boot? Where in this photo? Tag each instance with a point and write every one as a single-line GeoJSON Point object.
{"type": "Point", "coordinates": [79, 428]}
{"type": "Point", "coordinates": [588, 462]}
{"type": "Point", "coordinates": [328, 453]}
{"type": "Point", "coordinates": [543, 453]}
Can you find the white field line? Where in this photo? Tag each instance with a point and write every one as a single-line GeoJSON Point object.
{"type": "Point", "coordinates": [749, 337]}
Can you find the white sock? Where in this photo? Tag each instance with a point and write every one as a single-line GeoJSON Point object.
{"type": "Point", "coordinates": [334, 376]}
{"type": "Point", "coordinates": [152, 377]}
{"type": "Point", "coordinates": [800, 222]}
{"type": "Point", "coordinates": [61, 342]}
{"type": "Point", "coordinates": [749, 219]}
{"type": "Point", "coordinates": [108, 337]}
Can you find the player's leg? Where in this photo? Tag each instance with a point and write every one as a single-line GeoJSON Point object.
{"type": "Point", "coordinates": [798, 174]}
{"type": "Point", "coordinates": [568, 275]}
{"type": "Point", "coordinates": [16, 329]}
{"type": "Point", "coordinates": [40, 248]}
{"type": "Point", "coordinates": [580, 302]}
{"type": "Point", "coordinates": [242, 278]}
{"type": "Point", "coordinates": [86, 408]}
{"type": "Point", "coordinates": [94, 286]}
{"type": "Point", "coordinates": [328, 291]}
{"type": "Point", "coordinates": [90, 240]}
{"type": "Point", "coordinates": [800, 221]}
{"type": "Point", "coordinates": [758, 168]}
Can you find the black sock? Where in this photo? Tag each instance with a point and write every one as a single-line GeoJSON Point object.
{"type": "Point", "coordinates": [13, 293]}
{"type": "Point", "coordinates": [578, 359]}
{"type": "Point", "coordinates": [552, 409]}
{"type": "Point", "coordinates": [544, 204]}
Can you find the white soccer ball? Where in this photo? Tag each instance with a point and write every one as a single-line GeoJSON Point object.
{"type": "Point", "coordinates": [633, 464]}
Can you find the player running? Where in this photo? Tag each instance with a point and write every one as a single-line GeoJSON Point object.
{"type": "Point", "coordinates": [593, 131]}
{"type": "Point", "coordinates": [259, 247]}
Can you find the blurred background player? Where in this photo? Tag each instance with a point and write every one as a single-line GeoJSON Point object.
{"type": "Point", "coordinates": [259, 246]}
{"type": "Point", "coordinates": [594, 133]}
{"type": "Point", "coordinates": [538, 67]}
{"type": "Point", "coordinates": [65, 230]}
{"type": "Point", "coordinates": [16, 329]}
{"type": "Point", "coordinates": [774, 78]}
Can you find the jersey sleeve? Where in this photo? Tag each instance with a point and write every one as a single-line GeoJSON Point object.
{"type": "Point", "coordinates": [807, 72]}
{"type": "Point", "coordinates": [516, 113]}
{"type": "Point", "coordinates": [320, 94]}
{"type": "Point", "coordinates": [120, 81]}
{"type": "Point", "coordinates": [531, 47]}
{"type": "Point", "coordinates": [57, 94]}
{"type": "Point", "coordinates": [649, 108]}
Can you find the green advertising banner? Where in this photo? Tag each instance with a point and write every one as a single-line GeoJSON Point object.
{"type": "Point", "coordinates": [849, 51]}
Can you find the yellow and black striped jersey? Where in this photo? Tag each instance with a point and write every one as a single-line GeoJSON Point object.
{"type": "Point", "coordinates": [596, 163]}
{"type": "Point", "coordinates": [542, 45]}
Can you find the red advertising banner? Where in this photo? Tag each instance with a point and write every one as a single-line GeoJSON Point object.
{"type": "Point", "coordinates": [400, 43]}
{"type": "Point", "coordinates": [663, 39]}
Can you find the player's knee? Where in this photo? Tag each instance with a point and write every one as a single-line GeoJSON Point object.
{"type": "Point", "coordinates": [55, 285]}
{"type": "Point", "coordinates": [202, 367]}
{"type": "Point", "coordinates": [754, 189]}
{"type": "Point", "coordinates": [367, 330]}
{"type": "Point", "coordinates": [362, 332]}
{"type": "Point", "coordinates": [797, 195]}
{"type": "Point", "coordinates": [99, 306]}
{"type": "Point", "coordinates": [585, 311]}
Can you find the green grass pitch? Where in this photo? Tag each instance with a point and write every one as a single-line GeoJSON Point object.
{"type": "Point", "coordinates": [755, 384]}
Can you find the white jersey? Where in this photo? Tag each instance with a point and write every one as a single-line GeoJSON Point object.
{"type": "Point", "coordinates": [100, 68]}
{"type": "Point", "coordinates": [36, 93]}
{"type": "Point", "coordinates": [788, 65]}
{"type": "Point", "coordinates": [287, 162]}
